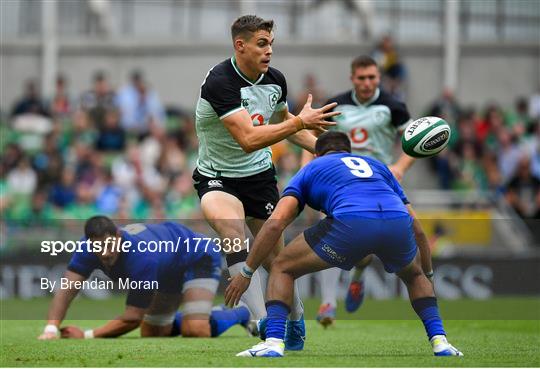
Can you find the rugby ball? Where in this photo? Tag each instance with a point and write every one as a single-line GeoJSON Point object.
{"type": "Point", "coordinates": [425, 137]}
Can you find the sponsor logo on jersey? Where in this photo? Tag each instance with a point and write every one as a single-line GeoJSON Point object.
{"type": "Point", "coordinates": [436, 141]}
{"type": "Point", "coordinates": [215, 183]}
{"type": "Point", "coordinates": [257, 119]}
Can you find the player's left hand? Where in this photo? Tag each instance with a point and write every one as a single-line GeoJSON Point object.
{"type": "Point", "coordinates": [397, 172]}
{"type": "Point", "coordinates": [236, 288]}
{"type": "Point", "coordinates": [71, 332]}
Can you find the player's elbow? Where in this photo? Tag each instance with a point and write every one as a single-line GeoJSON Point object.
{"type": "Point", "coordinates": [248, 148]}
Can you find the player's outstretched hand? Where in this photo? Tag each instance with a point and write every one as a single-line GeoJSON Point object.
{"type": "Point", "coordinates": [236, 288]}
{"type": "Point", "coordinates": [48, 336]}
{"type": "Point", "coordinates": [316, 118]}
{"type": "Point", "coordinates": [71, 332]}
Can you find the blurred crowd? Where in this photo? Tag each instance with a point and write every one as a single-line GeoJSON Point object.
{"type": "Point", "coordinates": [492, 149]}
{"type": "Point", "coordinates": [111, 151]}
{"type": "Point", "coordinates": [120, 152]}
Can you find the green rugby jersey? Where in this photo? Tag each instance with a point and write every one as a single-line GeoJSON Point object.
{"type": "Point", "coordinates": [226, 91]}
{"type": "Point", "coordinates": [372, 127]}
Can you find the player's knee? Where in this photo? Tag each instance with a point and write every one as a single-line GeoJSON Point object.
{"type": "Point", "coordinates": [410, 273]}
{"type": "Point", "coordinates": [148, 330]}
{"type": "Point", "coordinates": [196, 328]}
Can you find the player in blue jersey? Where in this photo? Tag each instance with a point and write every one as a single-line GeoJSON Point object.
{"type": "Point", "coordinates": [367, 213]}
{"type": "Point", "coordinates": [158, 282]}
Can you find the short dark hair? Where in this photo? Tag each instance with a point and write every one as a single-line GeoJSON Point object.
{"type": "Point", "coordinates": [99, 226]}
{"type": "Point", "coordinates": [332, 141]}
{"type": "Point", "coordinates": [249, 24]}
{"type": "Point", "coordinates": [362, 61]}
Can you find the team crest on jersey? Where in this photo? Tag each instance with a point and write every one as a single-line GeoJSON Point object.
{"type": "Point", "coordinates": [245, 102]}
{"type": "Point", "coordinates": [273, 99]}
{"type": "Point", "coordinates": [269, 208]}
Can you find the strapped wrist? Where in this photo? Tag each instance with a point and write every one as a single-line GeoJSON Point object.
{"type": "Point", "coordinates": [89, 334]}
{"type": "Point", "coordinates": [299, 123]}
{"type": "Point", "coordinates": [247, 272]}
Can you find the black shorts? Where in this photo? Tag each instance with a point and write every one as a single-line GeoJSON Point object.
{"type": "Point", "coordinates": [258, 193]}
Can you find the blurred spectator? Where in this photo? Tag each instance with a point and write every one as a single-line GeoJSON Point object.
{"type": "Point", "coordinates": [31, 102]}
{"type": "Point", "coordinates": [487, 129]}
{"type": "Point", "coordinates": [61, 106]}
{"type": "Point", "coordinates": [523, 190]}
{"type": "Point", "coordinates": [446, 107]}
{"type": "Point", "coordinates": [136, 180]}
{"type": "Point", "coordinates": [393, 72]}
{"type": "Point", "coordinates": [111, 136]}
{"type": "Point", "coordinates": [310, 87]}
{"type": "Point", "coordinates": [36, 212]}
{"type": "Point", "coordinates": [109, 194]}
{"type": "Point", "coordinates": [4, 194]}
{"type": "Point", "coordinates": [63, 193]}
{"type": "Point", "coordinates": [289, 165]}
{"type": "Point", "coordinates": [140, 106]}
{"type": "Point", "coordinates": [95, 103]}
{"type": "Point", "coordinates": [11, 155]}
{"type": "Point", "coordinates": [173, 159]}
{"type": "Point", "coordinates": [22, 179]}
{"type": "Point", "coordinates": [48, 162]}
{"type": "Point", "coordinates": [534, 105]}
{"type": "Point", "coordinates": [471, 174]}
{"type": "Point", "coordinates": [508, 154]}
{"type": "Point", "coordinates": [181, 200]}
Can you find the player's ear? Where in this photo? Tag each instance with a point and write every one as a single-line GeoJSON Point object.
{"type": "Point", "coordinates": [239, 44]}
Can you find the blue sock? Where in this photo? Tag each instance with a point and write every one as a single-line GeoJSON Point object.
{"type": "Point", "coordinates": [177, 325]}
{"type": "Point", "coordinates": [276, 315]}
{"type": "Point", "coordinates": [426, 308]}
{"type": "Point", "coordinates": [221, 320]}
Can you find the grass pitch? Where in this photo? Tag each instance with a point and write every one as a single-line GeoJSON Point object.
{"type": "Point", "coordinates": [360, 340]}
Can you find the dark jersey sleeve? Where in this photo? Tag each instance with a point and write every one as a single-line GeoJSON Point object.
{"type": "Point", "coordinates": [282, 82]}
{"type": "Point", "coordinates": [222, 94]}
{"type": "Point", "coordinates": [400, 114]}
{"type": "Point", "coordinates": [296, 188]}
{"type": "Point", "coordinates": [84, 262]}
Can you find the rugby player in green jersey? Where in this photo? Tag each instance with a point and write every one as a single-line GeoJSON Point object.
{"type": "Point", "coordinates": [372, 119]}
{"type": "Point", "coordinates": [241, 111]}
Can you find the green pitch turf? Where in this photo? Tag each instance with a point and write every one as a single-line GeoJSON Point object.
{"type": "Point", "coordinates": [484, 330]}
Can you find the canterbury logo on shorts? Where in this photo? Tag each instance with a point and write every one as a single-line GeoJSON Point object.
{"type": "Point", "coordinates": [215, 183]}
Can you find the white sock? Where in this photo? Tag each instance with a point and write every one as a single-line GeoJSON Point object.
{"type": "Point", "coordinates": [328, 280]}
{"type": "Point", "coordinates": [253, 297]}
{"type": "Point", "coordinates": [297, 310]}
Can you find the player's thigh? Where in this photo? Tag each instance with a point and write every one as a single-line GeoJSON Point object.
{"type": "Point", "coordinates": [157, 321]}
{"type": "Point", "coordinates": [255, 226]}
{"type": "Point", "coordinates": [225, 214]}
{"type": "Point", "coordinates": [298, 258]}
{"type": "Point", "coordinates": [259, 194]}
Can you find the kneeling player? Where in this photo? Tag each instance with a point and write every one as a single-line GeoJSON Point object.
{"type": "Point", "coordinates": [185, 276]}
{"type": "Point", "coordinates": [367, 213]}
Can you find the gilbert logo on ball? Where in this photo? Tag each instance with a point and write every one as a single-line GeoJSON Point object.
{"type": "Point", "coordinates": [425, 137]}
